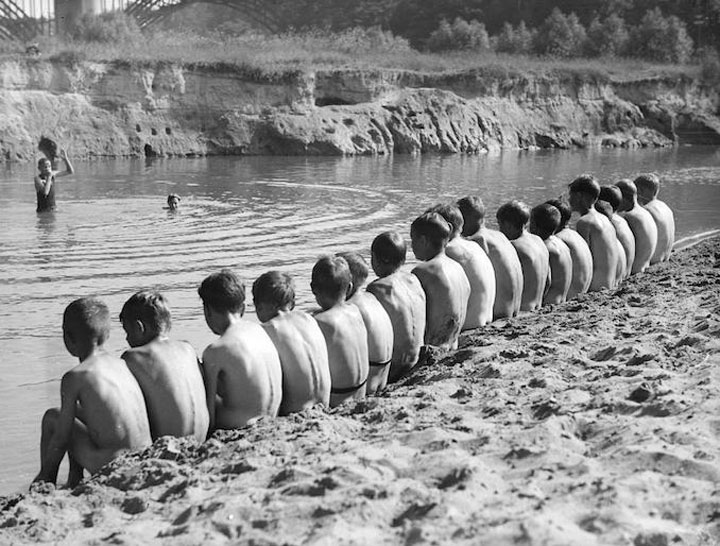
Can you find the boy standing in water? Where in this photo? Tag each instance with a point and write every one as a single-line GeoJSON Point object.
{"type": "Point", "coordinates": [167, 371]}
{"type": "Point", "coordinates": [502, 254]}
{"type": "Point", "coordinates": [243, 375]}
{"type": "Point", "coordinates": [45, 181]}
{"type": "Point", "coordinates": [402, 297]}
{"type": "Point", "coordinates": [544, 220]}
{"type": "Point", "coordinates": [512, 218]}
{"type": "Point", "coordinates": [447, 289]}
{"type": "Point", "coordinates": [343, 327]}
{"type": "Point", "coordinates": [648, 186]}
{"type": "Point", "coordinates": [298, 340]}
{"type": "Point", "coordinates": [103, 411]}
{"type": "Point", "coordinates": [641, 223]}
{"type": "Point", "coordinates": [377, 322]}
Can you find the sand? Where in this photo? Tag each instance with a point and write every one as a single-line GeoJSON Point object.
{"type": "Point", "coordinates": [592, 422]}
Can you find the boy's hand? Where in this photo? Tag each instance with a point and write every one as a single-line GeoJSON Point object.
{"type": "Point", "coordinates": [63, 153]}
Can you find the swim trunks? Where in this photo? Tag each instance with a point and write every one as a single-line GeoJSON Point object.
{"type": "Point", "coordinates": [346, 390]}
{"type": "Point", "coordinates": [380, 364]}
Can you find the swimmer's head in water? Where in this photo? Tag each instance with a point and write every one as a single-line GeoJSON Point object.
{"type": "Point", "coordinates": [145, 316]}
{"type": "Point", "coordinates": [272, 292]}
{"type": "Point", "coordinates": [330, 280]}
{"type": "Point", "coordinates": [86, 321]}
{"type": "Point", "coordinates": [544, 220]}
{"type": "Point", "coordinates": [173, 201]}
{"type": "Point", "coordinates": [388, 251]}
{"type": "Point", "coordinates": [359, 270]}
{"type": "Point", "coordinates": [473, 212]}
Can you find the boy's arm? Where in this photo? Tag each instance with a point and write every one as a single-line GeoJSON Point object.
{"type": "Point", "coordinates": [68, 166]}
{"type": "Point", "coordinates": [69, 392]}
{"type": "Point", "coordinates": [44, 185]}
{"type": "Point", "coordinates": [210, 379]}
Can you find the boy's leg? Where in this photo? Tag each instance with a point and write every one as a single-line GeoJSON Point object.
{"type": "Point", "coordinates": [85, 455]}
{"type": "Point", "coordinates": [49, 421]}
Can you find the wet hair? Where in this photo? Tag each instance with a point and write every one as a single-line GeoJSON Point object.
{"type": "Point", "coordinates": [647, 184]}
{"type": "Point", "coordinates": [275, 288]}
{"type": "Point", "coordinates": [223, 291]}
{"type": "Point", "coordinates": [473, 212]}
{"type": "Point", "coordinates": [515, 212]}
{"type": "Point", "coordinates": [545, 219]}
{"type": "Point", "coordinates": [432, 226]}
{"type": "Point", "coordinates": [173, 196]}
{"type": "Point", "coordinates": [88, 318]}
{"type": "Point", "coordinates": [150, 308]}
{"type": "Point", "coordinates": [389, 248]}
{"type": "Point", "coordinates": [627, 188]}
{"type": "Point", "coordinates": [604, 208]}
{"type": "Point", "coordinates": [42, 162]}
{"type": "Point", "coordinates": [452, 215]}
{"type": "Point", "coordinates": [331, 277]}
{"type": "Point", "coordinates": [565, 212]}
{"type": "Point", "coordinates": [586, 184]}
{"type": "Point", "coordinates": [359, 270]}
{"type": "Point", "coordinates": [612, 195]}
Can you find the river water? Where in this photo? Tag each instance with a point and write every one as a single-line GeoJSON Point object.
{"type": "Point", "coordinates": [111, 237]}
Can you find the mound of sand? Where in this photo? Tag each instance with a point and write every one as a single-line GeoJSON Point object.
{"type": "Point", "coordinates": [592, 422]}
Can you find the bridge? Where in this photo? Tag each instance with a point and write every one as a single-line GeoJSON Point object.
{"type": "Point", "coordinates": [24, 20]}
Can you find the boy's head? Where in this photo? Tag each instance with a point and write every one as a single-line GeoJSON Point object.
{"type": "Point", "coordinates": [429, 233]}
{"type": "Point", "coordinates": [359, 270]}
{"type": "Point", "coordinates": [584, 191]}
{"type": "Point", "coordinates": [173, 201]}
{"type": "Point", "coordinates": [512, 217]}
{"type": "Point", "coordinates": [604, 208]}
{"type": "Point", "coordinates": [612, 195]}
{"type": "Point", "coordinates": [544, 220]}
{"type": "Point", "coordinates": [388, 252]}
{"type": "Point", "coordinates": [223, 292]}
{"type": "Point", "coordinates": [44, 165]}
{"type": "Point", "coordinates": [145, 316]}
{"type": "Point", "coordinates": [648, 186]}
{"type": "Point", "coordinates": [452, 215]}
{"type": "Point", "coordinates": [473, 213]}
{"type": "Point", "coordinates": [330, 281]}
{"type": "Point", "coordinates": [86, 322]}
{"type": "Point", "coordinates": [629, 194]}
{"type": "Point", "coordinates": [272, 292]}
{"type": "Point", "coordinates": [565, 212]}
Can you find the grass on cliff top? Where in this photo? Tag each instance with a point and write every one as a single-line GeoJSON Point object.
{"type": "Point", "coordinates": [277, 57]}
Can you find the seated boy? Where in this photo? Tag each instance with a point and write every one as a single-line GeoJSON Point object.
{"type": "Point", "coordinates": [613, 196]}
{"type": "Point", "coordinates": [579, 250]}
{"type": "Point", "coordinates": [243, 376]}
{"type": "Point", "coordinates": [103, 411]}
{"type": "Point", "coordinates": [167, 371]}
{"type": "Point", "coordinates": [503, 257]}
{"type": "Point", "coordinates": [648, 186]}
{"type": "Point", "coordinates": [641, 224]}
{"type": "Point", "coordinates": [544, 221]}
{"type": "Point", "coordinates": [512, 218]}
{"type": "Point", "coordinates": [605, 208]}
{"type": "Point", "coordinates": [447, 289]}
{"type": "Point", "coordinates": [597, 231]}
{"type": "Point", "coordinates": [377, 322]}
{"type": "Point", "coordinates": [298, 340]}
{"type": "Point", "coordinates": [477, 266]}
{"type": "Point", "coordinates": [342, 325]}
{"type": "Point", "coordinates": [402, 297]}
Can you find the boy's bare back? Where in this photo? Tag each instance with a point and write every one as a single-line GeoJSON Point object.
{"type": "Point", "coordinates": [600, 236]}
{"type": "Point", "coordinates": [560, 270]}
{"type": "Point", "coordinates": [481, 275]}
{"type": "Point", "coordinates": [535, 263]}
{"type": "Point", "coordinates": [582, 261]}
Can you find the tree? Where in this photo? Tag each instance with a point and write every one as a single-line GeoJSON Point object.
{"type": "Point", "coordinates": [661, 39]}
{"type": "Point", "coordinates": [561, 36]}
{"type": "Point", "coordinates": [459, 35]}
{"type": "Point", "coordinates": [515, 40]}
{"type": "Point", "coordinates": [608, 37]}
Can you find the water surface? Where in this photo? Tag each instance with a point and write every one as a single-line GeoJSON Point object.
{"type": "Point", "coordinates": [111, 237]}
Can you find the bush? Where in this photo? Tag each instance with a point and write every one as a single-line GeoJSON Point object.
{"type": "Point", "coordinates": [662, 39]}
{"type": "Point", "coordinates": [709, 66]}
{"type": "Point", "coordinates": [113, 27]}
{"type": "Point", "coordinates": [608, 38]}
{"type": "Point", "coordinates": [561, 36]}
{"type": "Point", "coordinates": [515, 40]}
{"type": "Point", "coordinates": [459, 35]}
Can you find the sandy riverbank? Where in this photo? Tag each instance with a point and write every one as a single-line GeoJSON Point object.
{"type": "Point", "coordinates": [593, 422]}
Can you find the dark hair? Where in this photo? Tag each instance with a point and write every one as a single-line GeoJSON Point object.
{"type": "Point", "coordinates": [88, 318]}
{"type": "Point", "coordinates": [389, 248]}
{"type": "Point", "coordinates": [359, 270]}
{"type": "Point", "coordinates": [545, 218]}
{"type": "Point", "coordinates": [647, 184]}
{"type": "Point", "coordinates": [452, 215]}
{"type": "Point", "coordinates": [604, 208]}
{"type": "Point", "coordinates": [473, 212]}
{"type": "Point", "coordinates": [276, 288]}
{"type": "Point", "coordinates": [433, 226]}
{"type": "Point", "coordinates": [565, 212]}
{"type": "Point", "coordinates": [223, 291]}
{"type": "Point", "coordinates": [627, 188]}
{"type": "Point", "coordinates": [149, 307]}
{"type": "Point", "coordinates": [515, 212]}
{"type": "Point", "coordinates": [331, 277]}
{"type": "Point", "coordinates": [586, 184]}
{"type": "Point", "coordinates": [612, 195]}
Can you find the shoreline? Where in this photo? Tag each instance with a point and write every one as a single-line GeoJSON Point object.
{"type": "Point", "coordinates": [590, 422]}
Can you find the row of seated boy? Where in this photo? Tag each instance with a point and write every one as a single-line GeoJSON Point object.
{"type": "Point", "coordinates": [359, 340]}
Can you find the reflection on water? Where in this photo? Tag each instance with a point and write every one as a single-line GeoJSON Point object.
{"type": "Point", "coordinates": [112, 236]}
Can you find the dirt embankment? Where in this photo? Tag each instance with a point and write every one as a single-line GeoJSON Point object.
{"type": "Point", "coordinates": [593, 422]}
{"type": "Point", "coordinates": [117, 110]}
